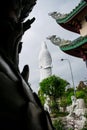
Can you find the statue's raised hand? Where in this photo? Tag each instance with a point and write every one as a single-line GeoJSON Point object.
{"type": "Point", "coordinates": [25, 73]}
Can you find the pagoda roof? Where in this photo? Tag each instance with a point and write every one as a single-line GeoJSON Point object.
{"type": "Point", "coordinates": [73, 13]}
{"type": "Point", "coordinates": [67, 20]}
{"type": "Point", "coordinates": [76, 46]}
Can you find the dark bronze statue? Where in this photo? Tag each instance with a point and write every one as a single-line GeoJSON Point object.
{"type": "Point", "coordinates": [20, 108]}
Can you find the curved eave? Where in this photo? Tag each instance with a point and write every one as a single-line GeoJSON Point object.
{"type": "Point", "coordinates": [73, 13]}
{"type": "Point", "coordinates": [75, 44]}
{"type": "Point", "coordinates": [69, 17]}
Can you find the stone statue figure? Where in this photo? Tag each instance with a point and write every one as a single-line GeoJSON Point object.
{"type": "Point", "coordinates": [20, 107]}
{"type": "Point", "coordinates": [46, 104]}
{"type": "Point", "coordinates": [73, 106]}
{"type": "Point", "coordinates": [76, 117]}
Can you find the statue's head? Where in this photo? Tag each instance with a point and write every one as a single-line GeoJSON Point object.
{"type": "Point", "coordinates": [16, 9]}
{"type": "Point", "coordinates": [12, 16]}
{"type": "Point", "coordinates": [13, 13]}
{"type": "Point", "coordinates": [73, 98]}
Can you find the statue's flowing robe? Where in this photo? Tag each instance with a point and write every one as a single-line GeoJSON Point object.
{"type": "Point", "coordinates": [20, 108]}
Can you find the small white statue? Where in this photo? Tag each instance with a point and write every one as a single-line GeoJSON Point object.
{"type": "Point", "coordinates": [73, 106]}
{"type": "Point", "coordinates": [46, 105]}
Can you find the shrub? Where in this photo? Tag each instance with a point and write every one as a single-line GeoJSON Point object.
{"type": "Point", "coordinates": [58, 125]}
{"type": "Point", "coordinates": [80, 94]}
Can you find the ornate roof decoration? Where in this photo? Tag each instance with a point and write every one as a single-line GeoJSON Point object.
{"type": "Point", "coordinates": [63, 18]}
{"type": "Point", "coordinates": [56, 15]}
{"type": "Point", "coordinates": [67, 44]}
{"type": "Point", "coordinates": [58, 41]}
{"type": "Point", "coordinates": [73, 20]}
{"type": "Point", "coordinates": [77, 48]}
{"type": "Point", "coordinates": [73, 48]}
{"type": "Point", "coordinates": [74, 44]}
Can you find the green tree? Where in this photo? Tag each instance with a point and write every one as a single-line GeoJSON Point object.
{"type": "Point", "coordinates": [80, 94]}
{"type": "Point", "coordinates": [66, 98]}
{"type": "Point", "coordinates": [68, 94]}
{"type": "Point", "coordinates": [54, 87]}
{"type": "Point", "coordinates": [58, 124]}
{"type": "Point", "coordinates": [63, 103]}
{"type": "Point", "coordinates": [41, 96]}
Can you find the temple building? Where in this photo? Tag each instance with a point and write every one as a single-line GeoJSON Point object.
{"type": "Point", "coordinates": [75, 21]}
{"type": "Point", "coordinates": [45, 62]}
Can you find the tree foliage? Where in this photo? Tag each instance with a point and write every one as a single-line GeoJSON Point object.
{"type": "Point", "coordinates": [53, 86]}
{"type": "Point", "coordinates": [82, 92]}
{"type": "Point", "coordinates": [41, 96]}
{"type": "Point", "coordinates": [66, 98]}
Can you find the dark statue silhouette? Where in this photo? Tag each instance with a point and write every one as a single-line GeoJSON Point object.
{"type": "Point", "coordinates": [20, 107]}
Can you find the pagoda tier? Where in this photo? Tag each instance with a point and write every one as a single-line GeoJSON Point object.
{"type": "Point", "coordinates": [77, 47]}
{"type": "Point", "coordinates": [75, 21]}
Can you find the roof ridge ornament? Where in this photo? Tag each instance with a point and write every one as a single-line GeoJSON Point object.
{"type": "Point", "coordinates": [57, 15]}
{"type": "Point", "coordinates": [58, 41]}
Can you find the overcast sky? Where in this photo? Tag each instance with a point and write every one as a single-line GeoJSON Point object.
{"type": "Point", "coordinates": [43, 27]}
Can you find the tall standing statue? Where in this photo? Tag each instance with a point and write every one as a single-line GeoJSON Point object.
{"type": "Point", "coordinates": [20, 108]}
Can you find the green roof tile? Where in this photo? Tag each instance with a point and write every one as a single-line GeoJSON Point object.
{"type": "Point", "coordinates": [75, 11]}
{"type": "Point", "coordinates": [74, 44]}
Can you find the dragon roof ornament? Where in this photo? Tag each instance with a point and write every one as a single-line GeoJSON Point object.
{"type": "Point", "coordinates": [62, 18]}
{"type": "Point", "coordinates": [56, 15]}
{"type": "Point", "coordinates": [58, 41]}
